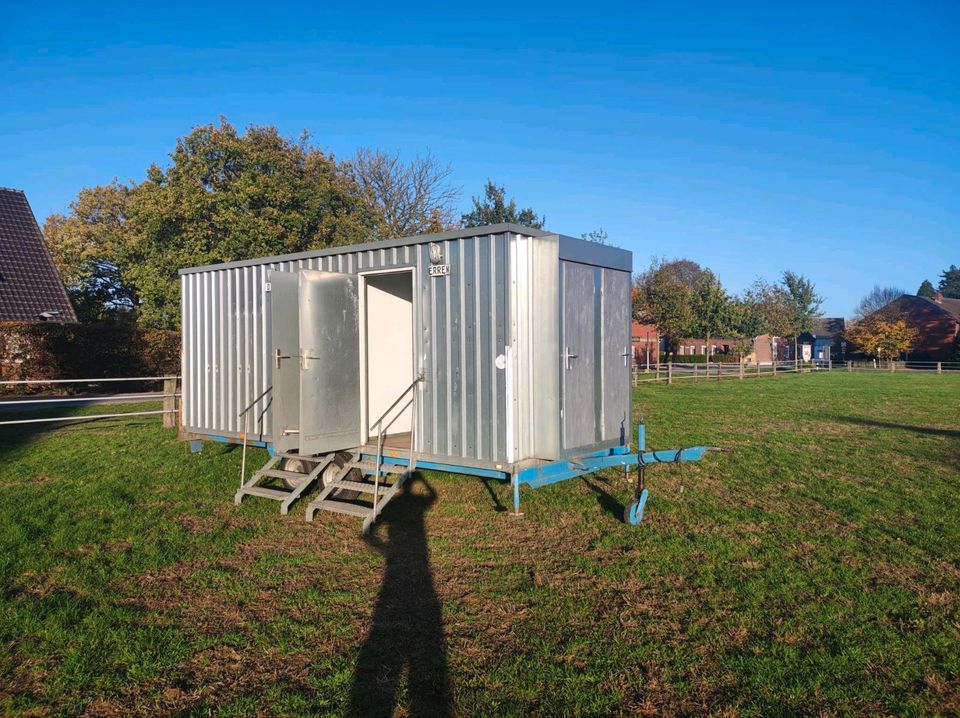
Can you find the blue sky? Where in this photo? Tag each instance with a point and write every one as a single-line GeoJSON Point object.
{"type": "Point", "coordinates": [752, 138]}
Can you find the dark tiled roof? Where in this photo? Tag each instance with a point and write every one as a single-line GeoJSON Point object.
{"type": "Point", "coordinates": [29, 282]}
{"type": "Point", "coordinates": [950, 306]}
{"type": "Point", "coordinates": [828, 326]}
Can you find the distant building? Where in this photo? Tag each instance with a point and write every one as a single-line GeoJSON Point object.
{"type": "Point", "coordinates": [689, 346]}
{"type": "Point", "coordinates": [938, 321]}
{"type": "Point", "coordinates": [646, 342]}
{"type": "Point", "coordinates": [824, 342]}
{"type": "Point", "coordinates": [30, 287]}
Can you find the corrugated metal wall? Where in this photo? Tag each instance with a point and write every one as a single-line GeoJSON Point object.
{"type": "Point", "coordinates": [462, 321]}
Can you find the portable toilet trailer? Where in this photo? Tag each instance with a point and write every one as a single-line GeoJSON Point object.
{"type": "Point", "coordinates": [500, 351]}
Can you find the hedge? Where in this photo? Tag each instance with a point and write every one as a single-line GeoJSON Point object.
{"type": "Point", "coordinates": [49, 350]}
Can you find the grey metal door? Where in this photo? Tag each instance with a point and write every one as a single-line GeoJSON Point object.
{"type": "Point", "coordinates": [616, 354]}
{"type": "Point", "coordinates": [577, 356]}
{"type": "Point", "coordinates": [329, 362]}
{"type": "Point", "coordinates": [285, 348]}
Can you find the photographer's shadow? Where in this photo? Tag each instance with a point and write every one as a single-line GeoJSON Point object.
{"type": "Point", "coordinates": [406, 638]}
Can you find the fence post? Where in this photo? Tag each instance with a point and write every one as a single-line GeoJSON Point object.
{"type": "Point", "coordinates": [670, 370]}
{"type": "Point", "coordinates": [849, 366]}
{"type": "Point", "coordinates": [658, 367]}
{"type": "Point", "coordinates": [741, 367]}
{"type": "Point", "coordinates": [695, 372]}
{"type": "Point", "coordinates": [939, 368]}
{"type": "Point", "coordinates": [758, 367]}
{"type": "Point", "coordinates": [829, 364]}
{"type": "Point", "coordinates": [169, 403]}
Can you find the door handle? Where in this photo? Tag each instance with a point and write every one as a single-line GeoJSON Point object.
{"type": "Point", "coordinates": [625, 355]}
{"type": "Point", "coordinates": [567, 356]}
{"type": "Point", "coordinates": [277, 357]}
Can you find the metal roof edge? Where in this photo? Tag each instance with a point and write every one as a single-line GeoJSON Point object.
{"type": "Point", "coordinates": [382, 244]}
{"type": "Point", "coordinates": [584, 251]}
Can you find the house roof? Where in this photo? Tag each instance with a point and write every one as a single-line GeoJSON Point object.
{"type": "Point", "coordinates": [29, 282]}
{"type": "Point", "coordinates": [828, 326]}
{"type": "Point", "coordinates": [950, 306]}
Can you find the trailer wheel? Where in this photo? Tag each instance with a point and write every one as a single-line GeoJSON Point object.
{"type": "Point", "coordinates": [633, 513]}
{"type": "Point", "coordinates": [301, 466]}
{"type": "Point", "coordinates": [330, 473]}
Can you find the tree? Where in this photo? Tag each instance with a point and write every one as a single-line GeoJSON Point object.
{"type": "Point", "coordinates": [950, 282]}
{"type": "Point", "coordinates": [711, 308]}
{"type": "Point", "coordinates": [494, 209]}
{"type": "Point", "coordinates": [88, 244]}
{"type": "Point", "coordinates": [804, 305]}
{"type": "Point", "coordinates": [877, 299]}
{"type": "Point", "coordinates": [882, 336]}
{"type": "Point", "coordinates": [405, 198]}
{"type": "Point", "coordinates": [773, 308]}
{"type": "Point", "coordinates": [926, 289]}
{"type": "Point", "coordinates": [663, 296]}
{"type": "Point", "coordinates": [597, 235]}
{"type": "Point", "coordinates": [229, 196]}
{"type": "Point", "coordinates": [744, 323]}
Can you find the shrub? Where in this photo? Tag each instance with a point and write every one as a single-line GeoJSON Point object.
{"type": "Point", "coordinates": [48, 350]}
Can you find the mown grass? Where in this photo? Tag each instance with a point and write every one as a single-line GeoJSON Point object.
{"type": "Point", "coordinates": [813, 568]}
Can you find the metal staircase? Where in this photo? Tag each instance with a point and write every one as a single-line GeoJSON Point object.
{"type": "Point", "coordinates": [294, 472]}
{"type": "Point", "coordinates": [351, 490]}
{"type": "Point", "coordinates": [361, 488]}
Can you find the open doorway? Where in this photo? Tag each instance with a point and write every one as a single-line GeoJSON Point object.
{"type": "Point", "coordinates": [387, 352]}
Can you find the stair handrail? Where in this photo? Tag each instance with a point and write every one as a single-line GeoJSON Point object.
{"type": "Point", "coordinates": [246, 428]}
{"type": "Point", "coordinates": [383, 430]}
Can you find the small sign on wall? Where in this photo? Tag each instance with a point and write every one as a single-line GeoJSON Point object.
{"type": "Point", "coordinates": [439, 270]}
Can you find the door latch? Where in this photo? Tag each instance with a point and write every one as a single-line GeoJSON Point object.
{"type": "Point", "coordinates": [625, 355]}
{"type": "Point", "coordinates": [277, 357]}
{"type": "Point", "coordinates": [567, 356]}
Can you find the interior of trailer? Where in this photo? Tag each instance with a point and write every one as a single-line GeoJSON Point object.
{"type": "Point", "coordinates": [387, 353]}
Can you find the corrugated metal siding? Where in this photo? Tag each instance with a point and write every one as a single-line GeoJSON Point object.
{"type": "Point", "coordinates": [463, 325]}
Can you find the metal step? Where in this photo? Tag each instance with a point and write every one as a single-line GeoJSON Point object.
{"type": "Point", "coordinates": [265, 492]}
{"type": "Point", "coordinates": [368, 466]}
{"type": "Point", "coordinates": [295, 455]}
{"type": "Point", "coordinates": [281, 474]}
{"type": "Point", "coordinates": [362, 486]}
{"type": "Point", "coordinates": [342, 507]}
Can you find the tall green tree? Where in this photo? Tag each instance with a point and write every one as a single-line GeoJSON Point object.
{"type": "Point", "coordinates": [711, 308]}
{"type": "Point", "coordinates": [804, 305]}
{"type": "Point", "coordinates": [494, 208]}
{"type": "Point", "coordinates": [950, 282]}
{"type": "Point", "coordinates": [926, 289]}
{"type": "Point", "coordinates": [228, 195]}
{"type": "Point", "coordinates": [88, 245]}
{"type": "Point", "coordinates": [663, 295]}
{"type": "Point", "coordinates": [773, 308]}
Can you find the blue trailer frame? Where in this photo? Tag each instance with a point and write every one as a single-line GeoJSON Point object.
{"type": "Point", "coordinates": [552, 472]}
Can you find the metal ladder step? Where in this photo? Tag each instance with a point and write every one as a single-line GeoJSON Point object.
{"type": "Point", "coordinates": [295, 455]}
{"type": "Point", "coordinates": [342, 507]}
{"type": "Point", "coordinates": [366, 466]}
{"type": "Point", "coordinates": [281, 474]}
{"type": "Point", "coordinates": [362, 486]}
{"type": "Point", "coordinates": [265, 492]}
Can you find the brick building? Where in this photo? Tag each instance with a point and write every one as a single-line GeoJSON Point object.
{"type": "Point", "coordinates": [938, 321]}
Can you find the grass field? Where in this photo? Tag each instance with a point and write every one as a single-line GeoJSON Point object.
{"type": "Point", "coordinates": [813, 568]}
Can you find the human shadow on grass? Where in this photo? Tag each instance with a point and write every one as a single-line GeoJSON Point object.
{"type": "Point", "coordinates": [929, 430]}
{"type": "Point", "coordinates": [607, 502]}
{"type": "Point", "coordinates": [406, 638]}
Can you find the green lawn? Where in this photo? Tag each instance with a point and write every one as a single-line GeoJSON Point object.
{"type": "Point", "coordinates": [813, 568]}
